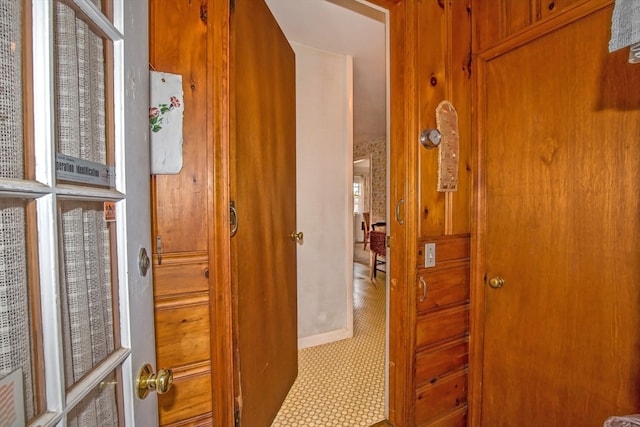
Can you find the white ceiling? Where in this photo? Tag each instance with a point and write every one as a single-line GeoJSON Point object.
{"type": "Point", "coordinates": [351, 28]}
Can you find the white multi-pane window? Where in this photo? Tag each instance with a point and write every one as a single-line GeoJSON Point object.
{"type": "Point", "coordinates": [65, 346]}
{"type": "Point", "coordinates": [357, 194]}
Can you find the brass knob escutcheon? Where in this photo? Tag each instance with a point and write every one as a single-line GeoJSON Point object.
{"type": "Point", "coordinates": [148, 381]}
{"type": "Point", "coordinates": [496, 282]}
{"type": "Point", "coordinates": [297, 237]}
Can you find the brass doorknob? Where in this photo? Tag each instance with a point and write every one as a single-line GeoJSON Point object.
{"type": "Point", "coordinates": [297, 237]}
{"type": "Point", "coordinates": [148, 381]}
{"type": "Point", "coordinates": [496, 282]}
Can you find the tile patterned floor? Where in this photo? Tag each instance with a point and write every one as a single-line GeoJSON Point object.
{"type": "Point", "coordinates": [342, 383]}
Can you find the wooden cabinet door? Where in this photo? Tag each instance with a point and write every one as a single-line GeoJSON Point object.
{"type": "Point", "coordinates": [559, 123]}
{"type": "Point", "coordinates": [263, 189]}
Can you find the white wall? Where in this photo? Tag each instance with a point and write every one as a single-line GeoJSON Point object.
{"type": "Point", "coordinates": [324, 199]}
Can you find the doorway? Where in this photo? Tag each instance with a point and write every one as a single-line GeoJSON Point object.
{"type": "Point", "coordinates": [361, 207]}
{"type": "Point", "coordinates": [371, 133]}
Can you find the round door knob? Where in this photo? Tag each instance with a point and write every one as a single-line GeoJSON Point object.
{"type": "Point", "coordinates": [164, 380]}
{"type": "Point", "coordinates": [148, 381]}
{"type": "Point", "coordinates": [297, 237]}
{"type": "Point", "coordinates": [496, 282]}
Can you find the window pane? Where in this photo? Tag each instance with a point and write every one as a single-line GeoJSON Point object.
{"type": "Point", "coordinates": [87, 288]}
{"type": "Point", "coordinates": [15, 313]}
{"type": "Point", "coordinates": [80, 88]}
{"type": "Point", "coordinates": [98, 409]}
{"type": "Point", "coordinates": [11, 119]}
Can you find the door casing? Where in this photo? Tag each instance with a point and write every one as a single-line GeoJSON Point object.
{"type": "Point", "coordinates": [403, 234]}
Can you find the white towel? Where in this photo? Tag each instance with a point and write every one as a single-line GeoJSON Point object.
{"type": "Point", "coordinates": [625, 24]}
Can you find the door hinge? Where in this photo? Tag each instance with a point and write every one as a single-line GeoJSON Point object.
{"type": "Point", "coordinates": [387, 241]}
{"type": "Point", "coordinates": [232, 5]}
{"type": "Point", "coordinates": [236, 417]}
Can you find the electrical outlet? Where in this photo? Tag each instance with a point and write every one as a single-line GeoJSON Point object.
{"type": "Point", "coordinates": [429, 255]}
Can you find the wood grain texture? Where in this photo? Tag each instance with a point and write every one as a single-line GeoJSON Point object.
{"type": "Point", "coordinates": [180, 211]}
{"type": "Point", "coordinates": [403, 198]}
{"type": "Point", "coordinates": [459, 68]}
{"type": "Point", "coordinates": [181, 274]}
{"type": "Point", "coordinates": [443, 287]}
{"type": "Point", "coordinates": [218, 178]}
{"type": "Point", "coordinates": [264, 190]}
{"type": "Point", "coordinates": [443, 61]}
{"type": "Point", "coordinates": [497, 21]}
{"type": "Point", "coordinates": [442, 328]}
{"type": "Point", "coordinates": [189, 400]}
{"type": "Point", "coordinates": [448, 248]}
{"type": "Point", "coordinates": [434, 328]}
{"type": "Point", "coordinates": [441, 360]}
{"type": "Point", "coordinates": [558, 219]}
{"type": "Point", "coordinates": [178, 38]}
{"type": "Point", "coordinates": [441, 398]}
{"type": "Point", "coordinates": [457, 418]}
{"type": "Point", "coordinates": [431, 63]}
{"type": "Point", "coordinates": [182, 331]}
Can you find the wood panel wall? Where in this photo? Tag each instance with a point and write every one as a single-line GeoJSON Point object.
{"type": "Point", "coordinates": [443, 67]}
{"type": "Point", "coordinates": [178, 44]}
{"type": "Point", "coordinates": [496, 20]}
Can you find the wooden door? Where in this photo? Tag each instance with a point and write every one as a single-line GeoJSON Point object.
{"type": "Point", "coordinates": [559, 124]}
{"type": "Point", "coordinates": [263, 189]}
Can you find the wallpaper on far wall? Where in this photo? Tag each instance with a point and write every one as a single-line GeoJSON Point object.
{"type": "Point", "coordinates": [377, 148]}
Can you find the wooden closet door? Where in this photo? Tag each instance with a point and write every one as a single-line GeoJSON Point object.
{"type": "Point", "coordinates": [559, 124]}
{"type": "Point", "coordinates": [263, 188]}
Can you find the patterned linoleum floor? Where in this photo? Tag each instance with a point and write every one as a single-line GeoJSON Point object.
{"type": "Point", "coordinates": [342, 383]}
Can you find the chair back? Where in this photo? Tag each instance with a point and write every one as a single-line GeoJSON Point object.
{"type": "Point", "coordinates": [377, 242]}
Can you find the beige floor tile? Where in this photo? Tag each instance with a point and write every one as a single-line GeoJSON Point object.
{"type": "Point", "coordinates": [342, 383]}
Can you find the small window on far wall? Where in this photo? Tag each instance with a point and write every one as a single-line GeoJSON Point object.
{"type": "Point", "coordinates": [357, 192]}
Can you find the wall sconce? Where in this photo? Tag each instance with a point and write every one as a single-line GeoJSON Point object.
{"type": "Point", "coordinates": [430, 138]}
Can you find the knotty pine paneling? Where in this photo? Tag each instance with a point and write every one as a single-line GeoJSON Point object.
{"type": "Point", "coordinates": [444, 67]}
{"type": "Point", "coordinates": [190, 398]}
{"type": "Point", "coordinates": [440, 398]}
{"type": "Point", "coordinates": [178, 44]}
{"type": "Point", "coordinates": [460, 69]}
{"type": "Point", "coordinates": [181, 274]}
{"type": "Point", "coordinates": [440, 361]}
{"type": "Point", "coordinates": [432, 89]}
{"type": "Point", "coordinates": [182, 331]}
{"type": "Point", "coordinates": [496, 20]}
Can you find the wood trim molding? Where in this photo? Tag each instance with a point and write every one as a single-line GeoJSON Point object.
{"type": "Point", "coordinates": [182, 300]}
{"type": "Point", "coordinates": [545, 26]}
{"type": "Point", "coordinates": [179, 258]}
{"type": "Point", "coordinates": [218, 131]}
{"type": "Point", "coordinates": [476, 293]}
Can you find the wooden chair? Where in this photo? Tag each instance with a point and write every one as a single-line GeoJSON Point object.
{"type": "Point", "coordinates": [366, 216]}
{"type": "Point", "coordinates": [378, 249]}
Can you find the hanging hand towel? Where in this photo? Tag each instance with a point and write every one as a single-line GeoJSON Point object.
{"type": "Point", "coordinates": [625, 24]}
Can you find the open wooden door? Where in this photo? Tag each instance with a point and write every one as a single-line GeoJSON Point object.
{"type": "Point", "coordinates": [560, 236]}
{"type": "Point", "coordinates": [263, 191]}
